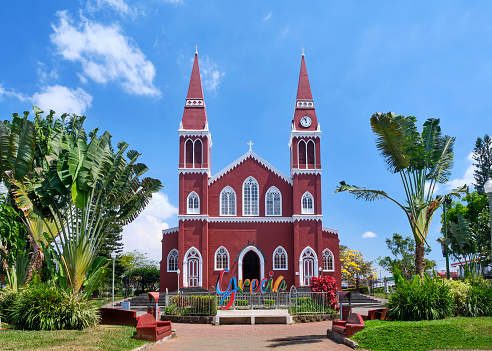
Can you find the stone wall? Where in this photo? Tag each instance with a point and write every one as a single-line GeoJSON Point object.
{"type": "Point", "coordinates": [308, 318]}
{"type": "Point", "coordinates": [188, 319]}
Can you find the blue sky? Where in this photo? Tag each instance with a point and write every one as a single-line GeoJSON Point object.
{"type": "Point", "coordinates": [126, 66]}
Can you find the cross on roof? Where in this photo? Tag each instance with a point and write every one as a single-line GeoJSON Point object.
{"type": "Point", "coordinates": [250, 144]}
{"type": "Point", "coordinates": [196, 49]}
{"type": "Point", "coordinates": [302, 50]}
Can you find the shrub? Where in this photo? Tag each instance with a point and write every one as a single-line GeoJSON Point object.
{"type": "Point", "coordinates": [415, 301]}
{"type": "Point", "coordinates": [460, 291]}
{"type": "Point", "coordinates": [7, 298]}
{"type": "Point", "coordinates": [329, 285]}
{"type": "Point", "coordinates": [472, 297]}
{"type": "Point", "coordinates": [48, 307]}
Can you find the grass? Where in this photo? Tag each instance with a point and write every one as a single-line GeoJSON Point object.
{"type": "Point", "coordinates": [453, 333]}
{"type": "Point", "coordinates": [382, 295]}
{"type": "Point", "coordinates": [102, 337]}
{"type": "Point", "coordinates": [100, 301]}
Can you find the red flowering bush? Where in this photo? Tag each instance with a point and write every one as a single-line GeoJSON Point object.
{"type": "Point", "coordinates": [329, 285]}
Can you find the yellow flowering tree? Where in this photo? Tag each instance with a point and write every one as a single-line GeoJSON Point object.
{"type": "Point", "coordinates": [353, 264]}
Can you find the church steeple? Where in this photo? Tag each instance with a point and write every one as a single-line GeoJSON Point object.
{"type": "Point", "coordinates": [304, 103]}
{"type": "Point", "coordinates": [195, 114]}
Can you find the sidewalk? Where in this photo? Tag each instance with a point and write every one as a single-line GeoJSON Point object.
{"type": "Point", "coordinates": [302, 336]}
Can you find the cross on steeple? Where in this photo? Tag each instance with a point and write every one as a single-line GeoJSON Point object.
{"type": "Point", "coordinates": [302, 50]}
{"type": "Point", "coordinates": [196, 49]}
{"type": "Point", "coordinates": [250, 145]}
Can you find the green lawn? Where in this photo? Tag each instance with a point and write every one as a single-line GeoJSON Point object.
{"type": "Point", "coordinates": [102, 337]}
{"type": "Point", "coordinates": [454, 333]}
{"type": "Point", "coordinates": [100, 301]}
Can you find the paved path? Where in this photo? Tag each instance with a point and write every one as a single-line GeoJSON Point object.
{"type": "Point", "coordinates": [302, 336]}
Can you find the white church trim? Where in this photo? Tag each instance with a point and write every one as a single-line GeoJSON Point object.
{"type": "Point", "coordinates": [240, 262]}
{"type": "Point", "coordinates": [170, 230]}
{"type": "Point", "coordinates": [192, 254]}
{"type": "Point", "coordinates": [330, 230]}
{"type": "Point", "coordinates": [270, 219]}
{"type": "Point", "coordinates": [304, 171]}
{"type": "Point", "coordinates": [241, 160]}
{"type": "Point", "coordinates": [307, 254]}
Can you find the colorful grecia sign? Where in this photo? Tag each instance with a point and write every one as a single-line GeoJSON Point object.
{"type": "Point", "coordinates": [255, 286]}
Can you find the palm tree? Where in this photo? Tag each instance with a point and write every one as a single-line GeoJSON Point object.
{"type": "Point", "coordinates": [422, 161]}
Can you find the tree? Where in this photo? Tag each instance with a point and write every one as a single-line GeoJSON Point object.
{"type": "Point", "coordinates": [403, 250]}
{"type": "Point", "coordinates": [354, 266]}
{"type": "Point", "coordinates": [85, 189]}
{"type": "Point", "coordinates": [422, 160]}
{"type": "Point", "coordinates": [482, 154]}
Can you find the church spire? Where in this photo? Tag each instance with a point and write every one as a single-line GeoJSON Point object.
{"type": "Point", "coordinates": [195, 115]}
{"type": "Point", "coordinates": [304, 102]}
{"type": "Point", "coordinates": [304, 89]}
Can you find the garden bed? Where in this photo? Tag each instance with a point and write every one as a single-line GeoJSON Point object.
{"type": "Point", "coordinates": [452, 333]}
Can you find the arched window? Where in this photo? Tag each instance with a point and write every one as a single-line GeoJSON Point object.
{"type": "Point", "coordinates": [227, 202]}
{"type": "Point", "coordinates": [250, 197]}
{"type": "Point", "coordinates": [273, 202]}
{"type": "Point", "coordinates": [310, 155]}
{"type": "Point", "coordinates": [192, 268]}
{"type": "Point", "coordinates": [328, 261]}
{"type": "Point", "coordinates": [198, 153]}
{"type": "Point", "coordinates": [308, 266]}
{"type": "Point", "coordinates": [302, 154]}
{"type": "Point", "coordinates": [189, 154]}
{"type": "Point", "coordinates": [172, 261]}
{"type": "Point", "coordinates": [307, 203]}
{"type": "Point", "coordinates": [221, 259]}
{"type": "Point", "coordinates": [280, 259]}
{"type": "Point", "coordinates": [193, 203]}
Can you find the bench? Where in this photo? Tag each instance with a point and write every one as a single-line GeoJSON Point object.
{"type": "Point", "coordinates": [379, 313]}
{"type": "Point", "coordinates": [150, 329]}
{"type": "Point", "coordinates": [352, 325]}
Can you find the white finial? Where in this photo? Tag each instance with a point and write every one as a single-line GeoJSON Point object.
{"type": "Point", "coordinates": [302, 50]}
{"type": "Point", "coordinates": [250, 145]}
{"type": "Point", "coordinates": [196, 49]}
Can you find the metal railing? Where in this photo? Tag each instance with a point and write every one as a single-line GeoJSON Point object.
{"type": "Point", "coordinates": [207, 303]}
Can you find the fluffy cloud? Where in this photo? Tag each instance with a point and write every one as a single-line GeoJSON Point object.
{"type": "Point", "coordinates": [268, 17]}
{"type": "Point", "coordinates": [62, 100]}
{"type": "Point", "coordinates": [105, 54]}
{"type": "Point", "coordinates": [145, 233]}
{"type": "Point", "coordinates": [467, 178]}
{"type": "Point", "coordinates": [3, 188]}
{"type": "Point", "coordinates": [12, 94]}
{"type": "Point", "coordinates": [210, 74]}
{"type": "Point", "coordinates": [117, 5]}
{"type": "Point", "coordinates": [369, 235]}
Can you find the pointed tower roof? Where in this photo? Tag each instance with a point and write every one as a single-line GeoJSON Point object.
{"type": "Point", "coordinates": [304, 102]}
{"type": "Point", "coordinates": [195, 114]}
{"type": "Point", "coordinates": [304, 89]}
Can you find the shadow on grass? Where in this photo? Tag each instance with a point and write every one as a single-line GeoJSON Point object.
{"type": "Point", "coordinates": [297, 340]}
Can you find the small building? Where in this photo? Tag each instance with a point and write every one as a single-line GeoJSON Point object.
{"type": "Point", "coordinates": [249, 218]}
{"type": "Point", "coordinates": [485, 270]}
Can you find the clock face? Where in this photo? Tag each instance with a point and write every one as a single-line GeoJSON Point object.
{"type": "Point", "coordinates": [305, 121]}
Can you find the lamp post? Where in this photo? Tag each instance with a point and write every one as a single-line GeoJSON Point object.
{"type": "Point", "coordinates": [320, 269]}
{"type": "Point", "coordinates": [447, 201]}
{"type": "Point", "coordinates": [113, 256]}
{"type": "Point", "coordinates": [488, 190]}
{"type": "Point", "coordinates": [178, 271]}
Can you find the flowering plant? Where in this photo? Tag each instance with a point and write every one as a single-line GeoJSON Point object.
{"type": "Point", "coordinates": [329, 285]}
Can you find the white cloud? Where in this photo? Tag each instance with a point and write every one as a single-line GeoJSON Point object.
{"type": "Point", "coordinates": [210, 74]}
{"type": "Point", "coordinates": [44, 75]}
{"type": "Point", "coordinates": [105, 54]}
{"type": "Point", "coordinates": [268, 17]}
{"type": "Point", "coordinates": [12, 94]}
{"type": "Point", "coordinates": [117, 5]}
{"type": "Point", "coordinates": [62, 100]}
{"type": "Point", "coordinates": [3, 188]}
{"type": "Point", "coordinates": [368, 235]}
{"type": "Point", "coordinates": [144, 234]}
{"type": "Point", "coordinates": [467, 178]}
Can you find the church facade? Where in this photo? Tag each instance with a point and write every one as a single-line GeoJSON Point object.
{"type": "Point", "coordinates": [249, 218]}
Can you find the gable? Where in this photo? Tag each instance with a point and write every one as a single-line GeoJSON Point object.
{"type": "Point", "coordinates": [242, 159]}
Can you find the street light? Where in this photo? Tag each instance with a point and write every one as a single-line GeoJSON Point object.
{"type": "Point", "coordinates": [488, 190]}
{"type": "Point", "coordinates": [319, 269]}
{"type": "Point", "coordinates": [113, 256]}
{"type": "Point", "coordinates": [178, 271]}
{"type": "Point", "coordinates": [447, 201]}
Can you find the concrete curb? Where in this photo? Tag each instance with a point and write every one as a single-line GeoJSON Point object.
{"type": "Point", "coordinates": [151, 345]}
{"type": "Point", "coordinates": [333, 335]}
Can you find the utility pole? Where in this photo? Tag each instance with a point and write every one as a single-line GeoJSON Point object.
{"type": "Point", "coordinates": [447, 201]}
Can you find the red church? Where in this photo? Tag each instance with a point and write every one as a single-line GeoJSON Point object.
{"type": "Point", "coordinates": [249, 218]}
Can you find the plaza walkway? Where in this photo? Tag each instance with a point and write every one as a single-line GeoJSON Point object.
{"type": "Point", "coordinates": [302, 336]}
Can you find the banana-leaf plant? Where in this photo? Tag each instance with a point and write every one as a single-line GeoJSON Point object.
{"type": "Point", "coordinates": [422, 160]}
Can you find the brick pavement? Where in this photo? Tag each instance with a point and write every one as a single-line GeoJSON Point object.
{"type": "Point", "coordinates": [302, 336]}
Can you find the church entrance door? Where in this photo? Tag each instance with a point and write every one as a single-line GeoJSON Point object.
{"type": "Point", "coordinates": [251, 266]}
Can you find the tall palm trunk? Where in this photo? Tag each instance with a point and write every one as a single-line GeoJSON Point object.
{"type": "Point", "coordinates": [36, 259]}
{"type": "Point", "coordinates": [420, 260]}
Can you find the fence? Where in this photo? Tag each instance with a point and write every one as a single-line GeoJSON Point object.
{"type": "Point", "coordinates": [207, 303]}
